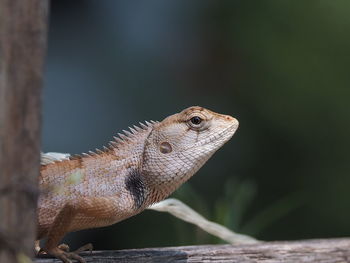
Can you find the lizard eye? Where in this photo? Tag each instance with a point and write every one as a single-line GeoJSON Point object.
{"type": "Point", "coordinates": [196, 120]}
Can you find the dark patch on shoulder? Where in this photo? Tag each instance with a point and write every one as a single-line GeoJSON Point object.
{"type": "Point", "coordinates": [134, 184]}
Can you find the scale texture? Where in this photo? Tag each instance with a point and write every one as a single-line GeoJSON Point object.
{"type": "Point", "coordinates": [140, 167]}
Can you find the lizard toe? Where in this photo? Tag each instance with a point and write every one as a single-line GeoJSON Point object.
{"type": "Point", "coordinates": [63, 257]}
{"type": "Point", "coordinates": [86, 247]}
{"type": "Point", "coordinates": [72, 255]}
{"type": "Point", "coordinates": [64, 247]}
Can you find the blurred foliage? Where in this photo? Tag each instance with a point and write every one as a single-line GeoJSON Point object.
{"type": "Point", "coordinates": [280, 66]}
{"type": "Point", "coordinates": [230, 210]}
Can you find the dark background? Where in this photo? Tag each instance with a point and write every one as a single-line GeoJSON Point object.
{"type": "Point", "coordinates": [280, 67]}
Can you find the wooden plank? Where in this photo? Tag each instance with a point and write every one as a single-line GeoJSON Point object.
{"type": "Point", "coordinates": [23, 27]}
{"type": "Point", "coordinates": [322, 250]}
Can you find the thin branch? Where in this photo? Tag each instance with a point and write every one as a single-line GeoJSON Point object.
{"type": "Point", "coordinates": [187, 214]}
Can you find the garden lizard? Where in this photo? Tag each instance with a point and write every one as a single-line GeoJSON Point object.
{"type": "Point", "coordinates": [140, 167]}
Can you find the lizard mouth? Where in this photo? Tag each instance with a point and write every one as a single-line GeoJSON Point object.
{"type": "Point", "coordinates": [220, 137]}
{"type": "Point", "coordinates": [225, 134]}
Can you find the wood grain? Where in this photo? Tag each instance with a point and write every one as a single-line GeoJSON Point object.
{"type": "Point", "coordinates": [23, 27]}
{"type": "Point", "coordinates": [322, 250]}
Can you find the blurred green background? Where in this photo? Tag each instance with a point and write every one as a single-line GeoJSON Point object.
{"type": "Point", "coordinates": [281, 67]}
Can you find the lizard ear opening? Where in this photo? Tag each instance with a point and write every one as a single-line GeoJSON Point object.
{"type": "Point", "coordinates": [165, 147]}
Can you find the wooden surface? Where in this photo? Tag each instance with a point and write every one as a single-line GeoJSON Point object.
{"type": "Point", "coordinates": [22, 46]}
{"type": "Point", "coordinates": [325, 251]}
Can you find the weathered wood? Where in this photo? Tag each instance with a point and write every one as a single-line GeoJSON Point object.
{"type": "Point", "coordinates": [322, 250]}
{"type": "Point", "coordinates": [23, 27]}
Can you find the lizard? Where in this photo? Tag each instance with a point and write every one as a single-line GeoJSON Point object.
{"type": "Point", "coordinates": [139, 168]}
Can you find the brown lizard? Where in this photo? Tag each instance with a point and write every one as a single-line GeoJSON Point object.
{"type": "Point", "coordinates": [139, 168]}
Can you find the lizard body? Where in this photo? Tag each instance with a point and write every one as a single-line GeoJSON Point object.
{"type": "Point", "coordinates": [141, 167]}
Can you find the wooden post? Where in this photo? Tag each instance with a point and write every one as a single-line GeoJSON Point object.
{"type": "Point", "coordinates": [23, 26]}
{"type": "Point", "coordinates": [302, 251]}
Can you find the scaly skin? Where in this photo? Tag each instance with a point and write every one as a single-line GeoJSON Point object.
{"type": "Point", "coordinates": [142, 167]}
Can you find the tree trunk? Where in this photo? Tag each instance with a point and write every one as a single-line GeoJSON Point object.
{"type": "Point", "coordinates": [23, 26]}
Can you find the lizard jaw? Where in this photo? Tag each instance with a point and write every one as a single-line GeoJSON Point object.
{"type": "Point", "coordinates": [221, 137]}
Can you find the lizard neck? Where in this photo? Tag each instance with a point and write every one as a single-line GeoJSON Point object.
{"type": "Point", "coordinates": [160, 184]}
{"type": "Point", "coordinates": [162, 180]}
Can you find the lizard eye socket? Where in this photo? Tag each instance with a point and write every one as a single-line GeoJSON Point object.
{"type": "Point", "coordinates": [196, 120]}
{"type": "Point", "coordinates": [196, 123]}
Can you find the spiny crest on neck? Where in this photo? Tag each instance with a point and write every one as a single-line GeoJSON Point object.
{"type": "Point", "coordinates": [124, 142]}
{"type": "Point", "coordinates": [128, 139]}
{"type": "Point", "coordinates": [121, 144]}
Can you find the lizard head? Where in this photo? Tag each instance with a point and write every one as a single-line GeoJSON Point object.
{"type": "Point", "coordinates": [180, 144]}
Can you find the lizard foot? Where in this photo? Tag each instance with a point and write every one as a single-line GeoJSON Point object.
{"type": "Point", "coordinates": [65, 256]}
{"type": "Point", "coordinates": [66, 248]}
{"type": "Point", "coordinates": [37, 247]}
{"type": "Point", "coordinates": [41, 251]}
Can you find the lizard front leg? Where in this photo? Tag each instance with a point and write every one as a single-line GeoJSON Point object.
{"type": "Point", "coordinates": [79, 214]}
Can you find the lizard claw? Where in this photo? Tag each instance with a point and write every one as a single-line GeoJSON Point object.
{"type": "Point", "coordinates": [67, 256]}
{"type": "Point", "coordinates": [86, 247]}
